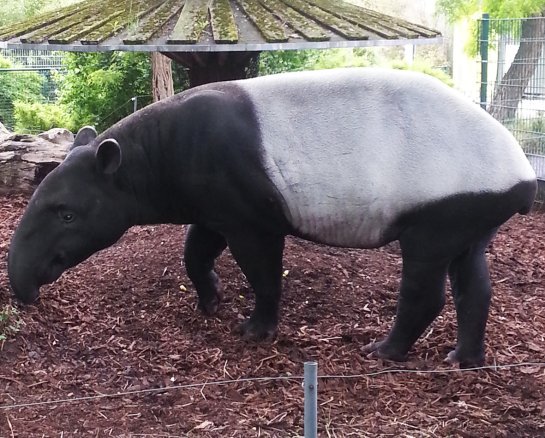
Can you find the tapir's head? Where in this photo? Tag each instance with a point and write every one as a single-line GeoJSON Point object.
{"type": "Point", "coordinates": [74, 212]}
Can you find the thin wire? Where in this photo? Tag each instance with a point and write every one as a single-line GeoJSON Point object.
{"type": "Point", "coordinates": [116, 110]}
{"type": "Point", "coordinates": [268, 379]}
{"type": "Point", "coordinates": [440, 371]}
{"type": "Point", "coordinates": [150, 390]}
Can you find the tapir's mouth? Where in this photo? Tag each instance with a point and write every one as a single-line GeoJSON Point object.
{"type": "Point", "coordinates": [56, 268]}
{"type": "Point", "coordinates": [30, 297]}
{"type": "Point", "coordinates": [26, 284]}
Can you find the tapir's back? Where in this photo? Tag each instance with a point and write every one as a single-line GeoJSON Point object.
{"type": "Point", "coordinates": [351, 150]}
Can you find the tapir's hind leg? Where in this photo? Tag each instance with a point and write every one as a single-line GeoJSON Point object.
{"type": "Point", "coordinates": [202, 247]}
{"type": "Point", "coordinates": [471, 289]}
{"type": "Point", "coordinates": [260, 258]}
{"type": "Point", "coordinates": [421, 298]}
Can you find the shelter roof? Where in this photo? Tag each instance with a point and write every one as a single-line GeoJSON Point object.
{"type": "Point", "coordinates": [211, 26]}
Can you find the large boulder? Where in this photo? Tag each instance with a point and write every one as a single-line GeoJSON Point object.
{"type": "Point", "coordinates": [26, 159]}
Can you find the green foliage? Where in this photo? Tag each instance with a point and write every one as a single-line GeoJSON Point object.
{"type": "Point", "coordinates": [298, 60]}
{"type": "Point", "coordinates": [17, 10]}
{"type": "Point", "coordinates": [271, 62]}
{"type": "Point", "coordinates": [39, 117]}
{"type": "Point", "coordinates": [424, 68]}
{"type": "Point", "coordinates": [10, 322]}
{"type": "Point", "coordinates": [98, 86]}
{"type": "Point", "coordinates": [23, 86]}
{"type": "Point", "coordinates": [530, 132]}
{"type": "Point", "coordinates": [456, 10]}
{"type": "Point", "coordinates": [12, 11]}
{"type": "Point", "coordinates": [335, 58]}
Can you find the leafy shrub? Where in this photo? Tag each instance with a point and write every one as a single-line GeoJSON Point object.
{"type": "Point", "coordinates": [39, 117]}
{"type": "Point", "coordinates": [297, 60]}
{"type": "Point", "coordinates": [25, 86]}
{"type": "Point", "coordinates": [98, 86]}
{"type": "Point", "coordinates": [424, 68]}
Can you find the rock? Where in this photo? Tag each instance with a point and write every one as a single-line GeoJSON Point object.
{"type": "Point", "coordinates": [4, 133]}
{"type": "Point", "coordinates": [26, 159]}
{"type": "Point", "coordinates": [58, 136]}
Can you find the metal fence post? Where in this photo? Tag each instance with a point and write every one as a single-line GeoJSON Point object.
{"type": "Point", "coordinates": [484, 37]}
{"type": "Point", "coordinates": [310, 384]}
{"type": "Point", "coordinates": [134, 104]}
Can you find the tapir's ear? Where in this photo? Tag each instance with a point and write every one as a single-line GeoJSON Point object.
{"type": "Point", "coordinates": [84, 136]}
{"type": "Point", "coordinates": [108, 156]}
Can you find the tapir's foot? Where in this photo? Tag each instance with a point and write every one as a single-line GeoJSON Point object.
{"type": "Point", "coordinates": [464, 360]}
{"type": "Point", "coordinates": [383, 350]}
{"type": "Point", "coordinates": [257, 331]}
{"type": "Point", "coordinates": [210, 305]}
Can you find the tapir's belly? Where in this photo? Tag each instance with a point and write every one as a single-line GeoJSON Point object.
{"type": "Point", "coordinates": [339, 204]}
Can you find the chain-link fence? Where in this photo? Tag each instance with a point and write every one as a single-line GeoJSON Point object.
{"type": "Point", "coordinates": [513, 80]}
{"type": "Point", "coordinates": [26, 77]}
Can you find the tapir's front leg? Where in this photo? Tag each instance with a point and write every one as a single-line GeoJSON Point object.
{"type": "Point", "coordinates": [260, 258]}
{"type": "Point", "coordinates": [202, 247]}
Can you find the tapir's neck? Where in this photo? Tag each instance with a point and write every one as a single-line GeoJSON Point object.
{"type": "Point", "coordinates": [146, 177]}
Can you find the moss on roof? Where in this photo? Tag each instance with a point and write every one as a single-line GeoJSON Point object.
{"type": "Point", "coordinates": [209, 22]}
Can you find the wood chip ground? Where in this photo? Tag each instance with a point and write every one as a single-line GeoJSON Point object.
{"type": "Point", "coordinates": [125, 321]}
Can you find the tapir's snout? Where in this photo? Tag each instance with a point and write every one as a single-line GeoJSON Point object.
{"type": "Point", "coordinates": [22, 280]}
{"type": "Point", "coordinates": [27, 275]}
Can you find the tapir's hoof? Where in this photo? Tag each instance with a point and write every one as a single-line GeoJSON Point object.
{"type": "Point", "coordinates": [454, 358]}
{"type": "Point", "coordinates": [250, 330]}
{"type": "Point", "coordinates": [210, 296]}
{"type": "Point", "coordinates": [381, 350]}
{"type": "Point", "coordinates": [211, 306]}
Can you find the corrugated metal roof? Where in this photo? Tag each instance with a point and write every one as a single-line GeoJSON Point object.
{"type": "Point", "coordinates": [211, 25]}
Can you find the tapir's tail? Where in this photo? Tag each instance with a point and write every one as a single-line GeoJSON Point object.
{"type": "Point", "coordinates": [527, 191]}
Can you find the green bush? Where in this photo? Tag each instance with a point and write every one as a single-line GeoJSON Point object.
{"type": "Point", "coordinates": [423, 68]}
{"type": "Point", "coordinates": [39, 117]}
{"type": "Point", "coordinates": [21, 86]}
{"type": "Point", "coordinates": [98, 86]}
{"type": "Point", "coordinates": [297, 60]}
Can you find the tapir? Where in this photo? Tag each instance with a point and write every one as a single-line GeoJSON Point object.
{"type": "Point", "coordinates": [349, 157]}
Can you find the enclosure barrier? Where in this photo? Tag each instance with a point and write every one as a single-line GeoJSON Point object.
{"type": "Point", "coordinates": [512, 82]}
{"type": "Point", "coordinates": [309, 382]}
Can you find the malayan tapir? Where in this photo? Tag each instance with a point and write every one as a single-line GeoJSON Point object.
{"type": "Point", "coordinates": [348, 157]}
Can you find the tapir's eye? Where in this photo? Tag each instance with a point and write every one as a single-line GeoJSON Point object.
{"type": "Point", "coordinates": [67, 216]}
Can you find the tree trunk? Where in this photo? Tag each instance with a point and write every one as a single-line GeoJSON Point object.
{"type": "Point", "coordinates": [511, 88]}
{"type": "Point", "coordinates": [162, 86]}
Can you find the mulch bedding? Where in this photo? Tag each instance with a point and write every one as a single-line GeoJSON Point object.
{"type": "Point", "coordinates": [125, 321]}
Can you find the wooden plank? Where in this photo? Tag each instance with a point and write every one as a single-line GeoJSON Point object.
{"type": "Point", "coordinates": [299, 22]}
{"type": "Point", "coordinates": [264, 20]}
{"type": "Point", "coordinates": [224, 27]}
{"type": "Point", "coordinates": [153, 24]}
{"type": "Point", "coordinates": [191, 23]}
{"type": "Point", "coordinates": [76, 32]}
{"type": "Point", "coordinates": [336, 24]}
{"type": "Point", "coordinates": [90, 13]}
{"type": "Point", "coordinates": [115, 24]}
{"type": "Point", "coordinates": [33, 24]}
{"type": "Point", "coordinates": [359, 17]}
{"type": "Point", "coordinates": [382, 24]}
